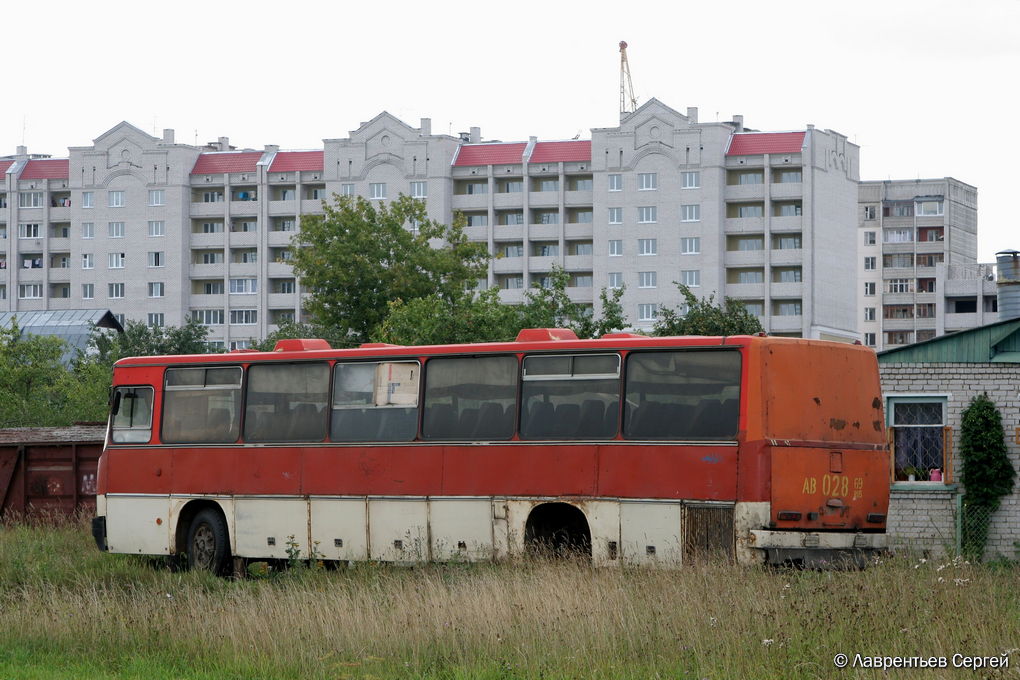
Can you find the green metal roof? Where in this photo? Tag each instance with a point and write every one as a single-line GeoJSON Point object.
{"type": "Point", "coordinates": [996, 342]}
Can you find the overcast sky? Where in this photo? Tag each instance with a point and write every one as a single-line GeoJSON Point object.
{"type": "Point", "coordinates": [926, 88]}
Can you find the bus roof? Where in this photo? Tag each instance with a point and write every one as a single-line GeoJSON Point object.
{"type": "Point", "coordinates": [611, 341]}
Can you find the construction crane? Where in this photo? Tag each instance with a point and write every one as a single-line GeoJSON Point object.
{"type": "Point", "coordinates": [626, 86]}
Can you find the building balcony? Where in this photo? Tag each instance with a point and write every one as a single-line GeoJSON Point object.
{"type": "Point", "coordinates": [744, 225]}
{"type": "Point", "coordinates": [747, 291]}
{"type": "Point", "coordinates": [281, 300]}
{"type": "Point", "coordinates": [577, 263]}
{"type": "Point", "coordinates": [512, 296]}
{"type": "Point", "coordinates": [244, 269]}
{"type": "Point", "coordinates": [896, 299]}
{"type": "Point", "coordinates": [282, 208]}
{"type": "Point", "coordinates": [738, 258]}
{"type": "Point", "coordinates": [786, 256]}
{"type": "Point", "coordinates": [60, 244]}
{"type": "Point", "coordinates": [581, 295]}
{"type": "Point", "coordinates": [60, 274]}
{"type": "Point", "coordinates": [789, 223]}
{"type": "Point", "coordinates": [892, 248]}
{"type": "Point", "coordinates": [201, 209]}
{"type": "Point", "coordinates": [477, 233]}
{"type": "Point", "coordinates": [470, 202]}
{"type": "Point", "coordinates": [958, 322]}
{"type": "Point", "coordinates": [539, 263]}
{"type": "Point", "coordinates": [280, 238]}
{"type": "Point", "coordinates": [578, 199]}
{"type": "Point", "coordinates": [508, 265]}
{"type": "Point", "coordinates": [203, 240]}
{"type": "Point", "coordinates": [508, 232]}
{"type": "Point", "coordinates": [578, 230]}
{"type": "Point", "coordinates": [312, 206]}
{"type": "Point", "coordinates": [786, 190]}
{"type": "Point", "coordinates": [208, 301]}
{"type": "Point", "coordinates": [544, 232]}
{"type": "Point", "coordinates": [931, 246]}
{"type": "Point", "coordinates": [786, 290]}
{"type": "Point", "coordinates": [60, 214]}
{"type": "Point", "coordinates": [207, 271]}
{"type": "Point", "coordinates": [244, 238]}
{"type": "Point", "coordinates": [898, 324]}
{"type": "Point", "coordinates": [279, 269]}
{"type": "Point", "coordinates": [785, 324]}
{"type": "Point", "coordinates": [898, 272]}
{"type": "Point", "coordinates": [244, 208]}
{"type": "Point", "coordinates": [513, 199]}
{"type": "Point", "coordinates": [742, 192]}
{"type": "Point", "coordinates": [544, 199]}
{"type": "Point", "coordinates": [30, 245]}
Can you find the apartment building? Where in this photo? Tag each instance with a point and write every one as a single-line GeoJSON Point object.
{"type": "Point", "coordinates": [917, 270]}
{"type": "Point", "coordinates": [158, 231]}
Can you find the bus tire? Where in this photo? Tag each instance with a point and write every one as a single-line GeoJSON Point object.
{"type": "Point", "coordinates": [208, 544]}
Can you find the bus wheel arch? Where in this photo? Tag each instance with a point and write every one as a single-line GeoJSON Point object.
{"type": "Point", "coordinates": [558, 528]}
{"type": "Point", "coordinates": [203, 537]}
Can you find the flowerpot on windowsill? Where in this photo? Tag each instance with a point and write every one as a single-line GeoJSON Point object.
{"type": "Point", "coordinates": [910, 478]}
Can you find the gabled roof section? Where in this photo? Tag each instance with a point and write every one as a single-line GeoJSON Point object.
{"type": "Point", "coordinates": [754, 143]}
{"type": "Point", "coordinates": [219, 162]}
{"type": "Point", "coordinates": [124, 127]}
{"type": "Point", "coordinates": [554, 152]}
{"type": "Point", "coordinates": [503, 153]}
{"type": "Point", "coordinates": [46, 168]}
{"type": "Point", "coordinates": [290, 161]}
{"type": "Point", "coordinates": [4, 165]}
{"type": "Point", "coordinates": [992, 343]}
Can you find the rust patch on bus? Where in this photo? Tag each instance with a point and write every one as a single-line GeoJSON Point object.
{"type": "Point", "coordinates": [837, 423]}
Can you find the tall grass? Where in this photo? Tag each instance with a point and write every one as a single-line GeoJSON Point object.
{"type": "Point", "coordinates": [68, 610]}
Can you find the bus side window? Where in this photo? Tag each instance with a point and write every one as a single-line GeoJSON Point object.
{"type": "Point", "coordinates": [690, 394]}
{"type": "Point", "coordinates": [202, 405]}
{"type": "Point", "coordinates": [570, 396]}
{"type": "Point", "coordinates": [375, 401]}
{"type": "Point", "coordinates": [286, 402]}
{"type": "Point", "coordinates": [473, 398]}
{"type": "Point", "coordinates": [132, 415]}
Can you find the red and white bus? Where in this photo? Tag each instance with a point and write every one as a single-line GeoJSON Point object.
{"type": "Point", "coordinates": [634, 450]}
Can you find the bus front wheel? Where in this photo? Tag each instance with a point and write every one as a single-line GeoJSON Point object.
{"type": "Point", "coordinates": [208, 547]}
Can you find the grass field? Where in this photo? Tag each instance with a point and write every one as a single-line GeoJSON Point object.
{"type": "Point", "coordinates": [68, 611]}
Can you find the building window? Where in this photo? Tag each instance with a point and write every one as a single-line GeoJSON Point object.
{"type": "Point", "coordinates": [900, 260]}
{"type": "Point", "coordinates": [157, 258]}
{"type": "Point", "coordinates": [377, 190]}
{"type": "Point", "coordinates": [30, 291]}
{"type": "Point", "coordinates": [690, 245]}
{"type": "Point", "coordinates": [870, 212]}
{"type": "Point", "coordinates": [419, 189]}
{"type": "Point", "coordinates": [647, 311]}
{"type": "Point", "coordinates": [648, 181]}
{"type": "Point", "coordinates": [615, 247]}
{"type": "Point", "coordinates": [240, 344]}
{"type": "Point", "coordinates": [580, 281]}
{"type": "Point", "coordinates": [115, 290]}
{"type": "Point", "coordinates": [690, 179]}
{"type": "Point", "coordinates": [869, 288]}
{"type": "Point", "coordinates": [690, 213]}
{"type": "Point", "coordinates": [28, 231]}
{"type": "Point", "coordinates": [919, 436]}
{"type": "Point", "coordinates": [208, 317]}
{"type": "Point", "coordinates": [88, 230]}
{"type": "Point", "coordinates": [899, 286]}
{"type": "Point", "coordinates": [869, 238]}
{"type": "Point", "coordinates": [88, 291]}
{"type": "Point", "coordinates": [580, 184]}
{"type": "Point", "coordinates": [157, 197]}
{"type": "Point", "coordinates": [929, 208]}
{"type": "Point", "coordinates": [156, 289]}
{"type": "Point", "coordinates": [616, 279]}
{"type": "Point", "coordinates": [690, 278]}
{"type": "Point", "coordinates": [788, 242]}
{"type": "Point", "coordinates": [870, 262]}
{"type": "Point", "coordinates": [786, 275]}
{"type": "Point", "coordinates": [905, 235]}
{"type": "Point", "coordinates": [87, 199]}
{"type": "Point", "coordinates": [869, 339]}
{"type": "Point", "coordinates": [616, 215]}
{"type": "Point", "coordinates": [244, 286]}
{"type": "Point", "coordinates": [345, 190]}
{"type": "Point", "coordinates": [869, 313]}
{"type": "Point", "coordinates": [87, 261]}
{"type": "Point", "coordinates": [244, 317]}
{"type": "Point", "coordinates": [579, 248]}
{"type": "Point", "coordinates": [509, 186]}
{"type": "Point", "coordinates": [750, 276]}
{"type": "Point", "coordinates": [750, 210]}
{"type": "Point", "coordinates": [212, 288]}
{"type": "Point", "coordinates": [647, 279]}
{"type": "Point", "coordinates": [212, 227]}
{"type": "Point", "coordinates": [115, 199]}
{"type": "Point", "coordinates": [155, 318]}
{"type": "Point", "coordinates": [616, 182]}
{"type": "Point", "coordinates": [285, 286]}
{"type": "Point", "coordinates": [30, 199]}
{"type": "Point", "coordinates": [157, 228]}
{"type": "Point", "coordinates": [31, 263]}
{"type": "Point", "coordinates": [787, 209]}
{"type": "Point", "coordinates": [212, 196]}
{"type": "Point", "coordinates": [788, 176]}
{"type": "Point", "coordinates": [647, 214]}
{"type": "Point", "coordinates": [647, 246]}
{"type": "Point", "coordinates": [546, 217]}
{"type": "Point", "coordinates": [545, 249]}
{"type": "Point", "coordinates": [116, 229]}
{"type": "Point", "coordinates": [786, 308]}
{"type": "Point", "coordinates": [116, 260]}
{"type": "Point", "coordinates": [745, 243]}
{"type": "Point", "coordinates": [477, 220]}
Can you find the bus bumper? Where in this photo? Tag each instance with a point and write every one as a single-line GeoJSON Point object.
{"type": "Point", "coordinates": [99, 532]}
{"type": "Point", "coordinates": [816, 549]}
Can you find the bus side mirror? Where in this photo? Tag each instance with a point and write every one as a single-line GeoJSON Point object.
{"type": "Point", "coordinates": [115, 408]}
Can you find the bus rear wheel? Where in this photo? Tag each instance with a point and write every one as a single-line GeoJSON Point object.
{"type": "Point", "coordinates": [208, 547]}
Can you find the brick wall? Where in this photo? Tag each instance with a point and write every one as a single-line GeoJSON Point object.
{"type": "Point", "coordinates": [920, 513]}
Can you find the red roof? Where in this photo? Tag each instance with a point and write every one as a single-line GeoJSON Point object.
{"type": "Point", "coordinates": [753, 143]}
{"type": "Point", "coordinates": [289, 161]}
{"type": "Point", "coordinates": [219, 162]}
{"type": "Point", "coordinates": [51, 168]}
{"type": "Point", "coordinates": [553, 152]}
{"type": "Point", "coordinates": [4, 165]}
{"type": "Point", "coordinates": [490, 154]}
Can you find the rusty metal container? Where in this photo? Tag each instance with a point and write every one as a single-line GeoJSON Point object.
{"type": "Point", "coordinates": [49, 470]}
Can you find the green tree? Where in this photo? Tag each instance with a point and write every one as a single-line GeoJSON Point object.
{"type": "Point", "coordinates": [986, 473]}
{"type": "Point", "coordinates": [141, 340]}
{"type": "Point", "coordinates": [292, 329]}
{"type": "Point", "coordinates": [705, 317]}
{"type": "Point", "coordinates": [31, 379]}
{"type": "Point", "coordinates": [359, 256]}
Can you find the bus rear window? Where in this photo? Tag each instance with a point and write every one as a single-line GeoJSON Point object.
{"type": "Point", "coordinates": [691, 394]}
{"type": "Point", "coordinates": [132, 415]}
{"type": "Point", "coordinates": [570, 396]}
{"type": "Point", "coordinates": [375, 401]}
{"type": "Point", "coordinates": [470, 398]}
{"type": "Point", "coordinates": [202, 405]}
{"type": "Point", "coordinates": [286, 402]}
